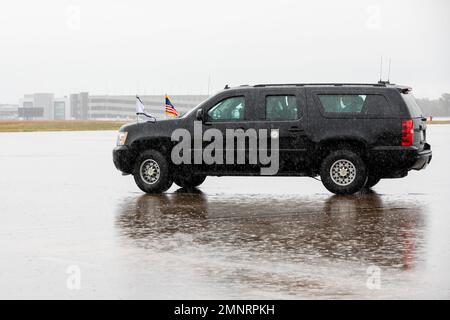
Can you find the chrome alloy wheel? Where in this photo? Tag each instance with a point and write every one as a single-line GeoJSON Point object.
{"type": "Point", "coordinates": [150, 171]}
{"type": "Point", "coordinates": [343, 172]}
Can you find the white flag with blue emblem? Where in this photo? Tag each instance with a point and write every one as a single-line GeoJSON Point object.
{"type": "Point", "coordinates": [140, 108]}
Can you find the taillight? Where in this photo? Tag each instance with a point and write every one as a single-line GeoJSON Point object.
{"type": "Point", "coordinates": [407, 133]}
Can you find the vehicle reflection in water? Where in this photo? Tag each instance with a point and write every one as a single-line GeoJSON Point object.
{"type": "Point", "coordinates": [365, 228]}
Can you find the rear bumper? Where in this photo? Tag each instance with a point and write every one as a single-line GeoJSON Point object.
{"type": "Point", "coordinates": [393, 161]}
{"type": "Point", "coordinates": [123, 158]}
{"type": "Point", "coordinates": [422, 158]}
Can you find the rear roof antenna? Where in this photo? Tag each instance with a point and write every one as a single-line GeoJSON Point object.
{"type": "Point", "coordinates": [389, 71]}
{"type": "Point", "coordinates": [381, 69]}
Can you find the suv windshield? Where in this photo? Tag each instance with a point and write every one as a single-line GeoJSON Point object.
{"type": "Point", "coordinates": [413, 107]}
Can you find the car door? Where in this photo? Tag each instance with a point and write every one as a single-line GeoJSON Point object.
{"type": "Point", "coordinates": [230, 111]}
{"type": "Point", "coordinates": [284, 109]}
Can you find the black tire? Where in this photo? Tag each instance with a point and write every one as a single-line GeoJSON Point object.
{"type": "Point", "coordinates": [353, 176]}
{"type": "Point", "coordinates": [372, 180]}
{"type": "Point", "coordinates": [142, 177]}
{"type": "Point", "coordinates": [189, 180]}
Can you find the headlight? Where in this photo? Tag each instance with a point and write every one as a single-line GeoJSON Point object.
{"type": "Point", "coordinates": [121, 138]}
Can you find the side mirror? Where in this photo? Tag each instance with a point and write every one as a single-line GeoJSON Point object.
{"type": "Point", "coordinates": [199, 115]}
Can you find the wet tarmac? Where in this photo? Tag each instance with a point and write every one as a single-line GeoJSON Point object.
{"type": "Point", "coordinates": [72, 227]}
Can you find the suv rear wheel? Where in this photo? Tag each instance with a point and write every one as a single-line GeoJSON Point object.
{"type": "Point", "coordinates": [151, 172]}
{"type": "Point", "coordinates": [189, 180]}
{"type": "Point", "coordinates": [343, 172]}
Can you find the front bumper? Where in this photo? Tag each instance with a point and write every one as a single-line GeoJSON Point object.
{"type": "Point", "coordinates": [123, 158]}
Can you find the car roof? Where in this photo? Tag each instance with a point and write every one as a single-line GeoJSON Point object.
{"type": "Point", "coordinates": [380, 84]}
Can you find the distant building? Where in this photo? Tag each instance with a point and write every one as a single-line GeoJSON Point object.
{"type": "Point", "coordinates": [79, 106]}
{"type": "Point", "coordinates": [123, 107]}
{"type": "Point", "coordinates": [43, 106]}
{"type": "Point", "coordinates": [82, 106]}
{"type": "Point", "coordinates": [61, 109]}
{"type": "Point", "coordinates": [9, 111]}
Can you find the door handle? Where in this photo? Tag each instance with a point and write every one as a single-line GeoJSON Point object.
{"type": "Point", "coordinates": [295, 129]}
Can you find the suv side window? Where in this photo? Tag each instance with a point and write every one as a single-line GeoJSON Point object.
{"type": "Point", "coordinates": [365, 105]}
{"type": "Point", "coordinates": [377, 105]}
{"type": "Point", "coordinates": [345, 103]}
{"type": "Point", "coordinates": [281, 107]}
{"type": "Point", "coordinates": [232, 108]}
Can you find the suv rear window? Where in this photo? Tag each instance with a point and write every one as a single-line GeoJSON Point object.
{"type": "Point", "coordinates": [412, 105]}
{"type": "Point", "coordinates": [346, 103]}
{"type": "Point", "coordinates": [377, 105]}
{"type": "Point", "coordinates": [368, 105]}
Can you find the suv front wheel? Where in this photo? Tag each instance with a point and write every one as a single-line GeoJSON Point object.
{"type": "Point", "coordinates": [343, 172]}
{"type": "Point", "coordinates": [151, 172]}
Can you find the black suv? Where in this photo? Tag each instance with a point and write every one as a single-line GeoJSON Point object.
{"type": "Point", "coordinates": [351, 135]}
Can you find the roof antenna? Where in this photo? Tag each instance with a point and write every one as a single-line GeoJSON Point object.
{"type": "Point", "coordinates": [389, 72]}
{"type": "Point", "coordinates": [209, 82]}
{"type": "Point", "coordinates": [381, 69]}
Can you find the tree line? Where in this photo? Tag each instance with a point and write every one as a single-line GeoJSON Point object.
{"type": "Point", "coordinates": [436, 107]}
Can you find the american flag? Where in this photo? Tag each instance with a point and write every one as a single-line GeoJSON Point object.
{"type": "Point", "coordinates": [170, 109]}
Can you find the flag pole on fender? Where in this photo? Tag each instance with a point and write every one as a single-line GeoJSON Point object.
{"type": "Point", "coordinates": [140, 108]}
{"type": "Point", "coordinates": [169, 108]}
{"type": "Point", "coordinates": [137, 114]}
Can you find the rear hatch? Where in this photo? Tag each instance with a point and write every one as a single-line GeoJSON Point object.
{"type": "Point", "coordinates": [418, 119]}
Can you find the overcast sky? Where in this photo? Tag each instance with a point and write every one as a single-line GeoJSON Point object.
{"type": "Point", "coordinates": [153, 47]}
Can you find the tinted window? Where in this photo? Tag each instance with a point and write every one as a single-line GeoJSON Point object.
{"type": "Point", "coordinates": [376, 105]}
{"type": "Point", "coordinates": [281, 108]}
{"type": "Point", "coordinates": [228, 109]}
{"type": "Point", "coordinates": [413, 107]}
{"type": "Point", "coordinates": [348, 103]}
